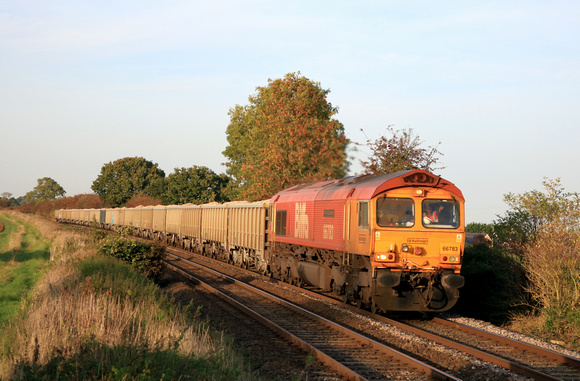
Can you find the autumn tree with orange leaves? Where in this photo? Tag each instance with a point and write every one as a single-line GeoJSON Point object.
{"type": "Point", "coordinates": [399, 150]}
{"type": "Point", "coordinates": [286, 136]}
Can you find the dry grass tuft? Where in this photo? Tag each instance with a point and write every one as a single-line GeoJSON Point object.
{"type": "Point", "coordinates": [15, 242]}
{"type": "Point", "coordinates": [62, 323]}
{"type": "Point", "coordinates": [529, 323]}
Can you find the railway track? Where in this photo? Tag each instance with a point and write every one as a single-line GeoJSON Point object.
{"type": "Point", "coordinates": [514, 356]}
{"type": "Point", "coordinates": [523, 358]}
{"type": "Point", "coordinates": [353, 355]}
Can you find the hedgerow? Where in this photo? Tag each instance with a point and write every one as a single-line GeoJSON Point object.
{"type": "Point", "coordinates": [494, 280]}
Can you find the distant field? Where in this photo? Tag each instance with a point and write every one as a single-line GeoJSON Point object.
{"type": "Point", "coordinates": [23, 255]}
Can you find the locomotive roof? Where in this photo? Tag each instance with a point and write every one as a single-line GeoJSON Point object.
{"type": "Point", "coordinates": [365, 187]}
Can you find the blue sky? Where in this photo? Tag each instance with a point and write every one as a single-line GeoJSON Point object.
{"type": "Point", "coordinates": [86, 83]}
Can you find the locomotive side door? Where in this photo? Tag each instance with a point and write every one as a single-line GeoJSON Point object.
{"type": "Point", "coordinates": [358, 236]}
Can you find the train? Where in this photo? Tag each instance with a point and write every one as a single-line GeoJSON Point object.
{"type": "Point", "coordinates": [386, 243]}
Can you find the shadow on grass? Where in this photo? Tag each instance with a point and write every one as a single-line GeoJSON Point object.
{"type": "Point", "coordinates": [24, 256]}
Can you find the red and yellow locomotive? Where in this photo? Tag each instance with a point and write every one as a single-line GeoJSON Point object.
{"type": "Point", "coordinates": [388, 242]}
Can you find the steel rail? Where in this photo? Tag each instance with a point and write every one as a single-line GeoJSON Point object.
{"type": "Point", "coordinates": [559, 357]}
{"type": "Point", "coordinates": [433, 372]}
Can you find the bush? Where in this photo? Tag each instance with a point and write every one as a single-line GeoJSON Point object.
{"type": "Point", "coordinates": [494, 282]}
{"type": "Point", "coordinates": [145, 257]}
{"type": "Point", "coordinates": [553, 266]}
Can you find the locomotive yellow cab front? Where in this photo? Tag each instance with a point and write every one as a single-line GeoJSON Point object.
{"type": "Point", "coordinates": [417, 248]}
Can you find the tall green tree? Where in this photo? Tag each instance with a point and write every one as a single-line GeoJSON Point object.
{"type": "Point", "coordinates": [46, 190]}
{"type": "Point", "coordinates": [285, 136]}
{"type": "Point", "coordinates": [122, 179]}
{"type": "Point", "coordinates": [399, 150]}
{"type": "Point", "coordinates": [196, 185]}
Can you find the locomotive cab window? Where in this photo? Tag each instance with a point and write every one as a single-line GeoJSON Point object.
{"type": "Point", "coordinates": [440, 214]}
{"type": "Point", "coordinates": [395, 212]}
{"type": "Point", "coordinates": [363, 214]}
{"type": "Point", "coordinates": [281, 223]}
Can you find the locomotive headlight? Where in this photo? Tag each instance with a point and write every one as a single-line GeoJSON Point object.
{"type": "Point", "coordinates": [452, 258]}
{"type": "Point", "coordinates": [406, 248]}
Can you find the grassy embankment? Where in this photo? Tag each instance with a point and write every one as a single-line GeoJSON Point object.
{"type": "Point", "coordinates": [80, 315]}
{"type": "Point", "coordinates": [23, 257]}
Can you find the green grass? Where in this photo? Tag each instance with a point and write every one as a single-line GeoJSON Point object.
{"type": "Point", "coordinates": [119, 279]}
{"type": "Point", "coordinates": [20, 267]}
{"type": "Point", "coordinates": [9, 228]}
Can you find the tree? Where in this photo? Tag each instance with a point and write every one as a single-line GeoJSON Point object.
{"type": "Point", "coordinates": [196, 185]}
{"type": "Point", "coordinates": [478, 227]}
{"type": "Point", "coordinates": [285, 136]}
{"type": "Point", "coordinates": [401, 151]}
{"type": "Point", "coordinates": [46, 190]}
{"type": "Point", "coordinates": [5, 199]}
{"type": "Point", "coordinates": [553, 206]}
{"type": "Point", "coordinates": [141, 199]}
{"type": "Point", "coordinates": [122, 179]}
